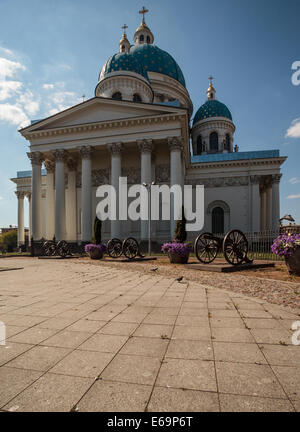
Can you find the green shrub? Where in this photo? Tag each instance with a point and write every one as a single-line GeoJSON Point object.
{"type": "Point", "coordinates": [180, 233]}
{"type": "Point", "coordinates": [8, 241]}
{"type": "Point", "coordinates": [97, 231]}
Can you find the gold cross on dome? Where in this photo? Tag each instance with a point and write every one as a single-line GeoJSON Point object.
{"type": "Point", "coordinates": [143, 11]}
{"type": "Point", "coordinates": [210, 78]}
{"type": "Point", "coordinates": [124, 27]}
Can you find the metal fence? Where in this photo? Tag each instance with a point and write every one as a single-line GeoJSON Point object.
{"type": "Point", "coordinates": [260, 243]}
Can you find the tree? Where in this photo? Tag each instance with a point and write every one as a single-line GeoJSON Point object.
{"type": "Point", "coordinates": [97, 231]}
{"type": "Point", "coordinates": [8, 241]}
{"type": "Point", "coordinates": [180, 233]}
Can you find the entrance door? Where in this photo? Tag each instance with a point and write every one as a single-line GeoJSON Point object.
{"type": "Point", "coordinates": [217, 216]}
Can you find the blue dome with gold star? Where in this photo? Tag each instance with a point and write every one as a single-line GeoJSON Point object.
{"type": "Point", "coordinates": [212, 108]}
{"type": "Point", "coordinates": [123, 62]}
{"type": "Point", "coordinates": [142, 59]}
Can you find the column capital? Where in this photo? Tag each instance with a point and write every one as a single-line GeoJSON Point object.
{"type": "Point", "coordinates": [175, 144]}
{"type": "Point", "coordinates": [145, 146]}
{"type": "Point", "coordinates": [255, 179]}
{"type": "Point", "coordinates": [36, 158]}
{"type": "Point", "coordinates": [20, 194]}
{"type": "Point", "coordinates": [50, 166]}
{"type": "Point", "coordinates": [72, 164]}
{"type": "Point", "coordinates": [276, 178]}
{"type": "Point", "coordinates": [59, 155]}
{"type": "Point", "coordinates": [86, 152]}
{"type": "Point", "coordinates": [115, 148]}
{"type": "Point", "coordinates": [28, 195]}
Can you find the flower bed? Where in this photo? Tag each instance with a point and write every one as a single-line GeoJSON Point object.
{"type": "Point", "coordinates": [288, 246]}
{"type": "Point", "coordinates": [177, 252]}
{"type": "Point", "coordinates": [95, 251]}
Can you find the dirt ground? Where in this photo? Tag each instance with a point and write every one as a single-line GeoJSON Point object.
{"type": "Point", "coordinates": [274, 285]}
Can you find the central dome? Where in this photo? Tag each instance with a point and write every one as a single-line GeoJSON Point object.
{"type": "Point", "coordinates": [142, 59]}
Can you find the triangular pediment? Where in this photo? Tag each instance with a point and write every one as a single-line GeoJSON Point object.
{"type": "Point", "coordinates": [101, 110]}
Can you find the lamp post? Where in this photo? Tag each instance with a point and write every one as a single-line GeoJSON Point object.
{"type": "Point", "coordinates": [148, 187]}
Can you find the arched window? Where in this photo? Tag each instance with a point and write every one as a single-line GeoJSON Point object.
{"type": "Point", "coordinates": [227, 142]}
{"type": "Point", "coordinates": [217, 222]}
{"type": "Point", "coordinates": [142, 38]}
{"type": "Point", "coordinates": [123, 48]}
{"type": "Point", "coordinates": [117, 96]}
{"type": "Point", "coordinates": [137, 98]}
{"type": "Point", "coordinates": [199, 145]}
{"type": "Point", "coordinates": [148, 39]}
{"type": "Point", "coordinates": [213, 142]}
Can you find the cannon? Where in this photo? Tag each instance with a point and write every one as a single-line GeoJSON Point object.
{"type": "Point", "coordinates": [129, 247]}
{"type": "Point", "coordinates": [234, 246]}
{"type": "Point", "coordinates": [53, 248]}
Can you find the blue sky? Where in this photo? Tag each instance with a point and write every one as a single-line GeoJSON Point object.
{"type": "Point", "coordinates": [51, 53]}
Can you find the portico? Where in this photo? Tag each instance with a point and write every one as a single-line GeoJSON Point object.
{"type": "Point", "coordinates": [76, 166]}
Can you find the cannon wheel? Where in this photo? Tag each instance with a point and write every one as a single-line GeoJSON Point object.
{"type": "Point", "coordinates": [114, 248]}
{"type": "Point", "coordinates": [235, 247]}
{"type": "Point", "coordinates": [130, 247]}
{"type": "Point", "coordinates": [63, 248]}
{"type": "Point", "coordinates": [49, 248]}
{"type": "Point", "coordinates": [205, 248]}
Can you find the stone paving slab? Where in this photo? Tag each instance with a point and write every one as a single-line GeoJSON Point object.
{"type": "Point", "coordinates": [100, 338]}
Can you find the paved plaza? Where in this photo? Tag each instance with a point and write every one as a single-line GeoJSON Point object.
{"type": "Point", "coordinates": [89, 337]}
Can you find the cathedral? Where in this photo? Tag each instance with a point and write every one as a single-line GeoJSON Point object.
{"type": "Point", "coordinates": [140, 125]}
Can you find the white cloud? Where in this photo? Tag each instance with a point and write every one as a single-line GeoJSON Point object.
{"type": "Point", "coordinates": [8, 68]}
{"type": "Point", "coordinates": [13, 114]}
{"type": "Point", "coordinates": [294, 180]}
{"type": "Point", "coordinates": [294, 130]}
{"type": "Point", "coordinates": [6, 51]}
{"type": "Point", "coordinates": [294, 196]}
{"type": "Point", "coordinates": [1, 198]}
{"type": "Point", "coordinates": [48, 86]}
{"type": "Point", "coordinates": [29, 102]}
{"type": "Point", "coordinates": [65, 66]}
{"type": "Point", "coordinates": [62, 100]}
{"type": "Point", "coordinates": [9, 88]}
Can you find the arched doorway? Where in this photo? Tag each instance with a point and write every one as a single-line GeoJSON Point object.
{"type": "Point", "coordinates": [217, 220]}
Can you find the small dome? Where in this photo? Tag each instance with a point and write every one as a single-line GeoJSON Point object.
{"type": "Point", "coordinates": [212, 108]}
{"type": "Point", "coordinates": [142, 59]}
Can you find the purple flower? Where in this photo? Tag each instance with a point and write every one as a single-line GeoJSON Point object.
{"type": "Point", "coordinates": [286, 244]}
{"type": "Point", "coordinates": [92, 247]}
{"type": "Point", "coordinates": [182, 249]}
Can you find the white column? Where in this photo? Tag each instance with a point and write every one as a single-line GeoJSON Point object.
{"type": "Point", "coordinates": [60, 204]}
{"type": "Point", "coordinates": [86, 194]}
{"type": "Point", "coordinates": [36, 159]}
{"type": "Point", "coordinates": [175, 148]}
{"type": "Point", "coordinates": [255, 203]}
{"type": "Point", "coordinates": [263, 211]}
{"type": "Point", "coordinates": [50, 199]}
{"type": "Point", "coordinates": [28, 196]}
{"type": "Point", "coordinates": [146, 176]}
{"type": "Point", "coordinates": [275, 201]}
{"type": "Point", "coordinates": [269, 207]}
{"type": "Point", "coordinates": [116, 149]}
{"type": "Point", "coordinates": [71, 197]}
{"type": "Point", "coordinates": [21, 233]}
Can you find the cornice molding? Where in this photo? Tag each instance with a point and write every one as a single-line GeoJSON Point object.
{"type": "Point", "coordinates": [105, 125]}
{"type": "Point", "coordinates": [239, 163]}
